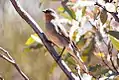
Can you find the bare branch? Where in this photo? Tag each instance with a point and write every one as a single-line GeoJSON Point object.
{"type": "Point", "coordinates": [12, 61]}
{"type": "Point", "coordinates": [42, 36]}
{"type": "Point", "coordinates": [3, 50]}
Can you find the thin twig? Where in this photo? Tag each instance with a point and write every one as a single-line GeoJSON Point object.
{"type": "Point", "coordinates": [104, 61]}
{"type": "Point", "coordinates": [114, 14]}
{"type": "Point", "coordinates": [7, 53]}
{"type": "Point", "coordinates": [101, 51]}
{"type": "Point", "coordinates": [110, 54]}
{"type": "Point", "coordinates": [12, 61]}
{"type": "Point", "coordinates": [117, 58]}
{"type": "Point", "coordinates": [110, 47]}
{"type": "Point", "coordinates": [43, 38]}
{"type": "Point", "coordinates": [107, 64]}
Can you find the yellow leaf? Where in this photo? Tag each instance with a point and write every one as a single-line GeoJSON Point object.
{"type": "Point", "coordinates": [32, 39]}
{"type": "Point", "coordinates": [84, 58]}
{"type": "Point", "coordinates": [100, 54]}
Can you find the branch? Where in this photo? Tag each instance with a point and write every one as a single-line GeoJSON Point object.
{"type": "Point", "coordinates": [110, 47]}
{"type": "Point", "coordinates": [1, 78]}
{"type": "Point", "coordinates": [44, 39]}
{"type": "Point", "coordinates": [12, 61]}
{"type": "Point", "coordinates": [108, 51]}
{"type": "Point", "coordinates": [114, 14]}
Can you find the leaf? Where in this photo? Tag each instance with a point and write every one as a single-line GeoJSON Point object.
{"type": "Point", "coordinates": [32, 39]}
{"type": "Point", "coordinates": [103, 16]}
{"type": "Point", "coordinates": [81, 42]}
{"type": "Point", "coordinates": [114, 34]}
{"type": "Point", "coordinates": [88, 47]}
{"type": "Point", "coordinates": [98, 69]}
{"type": "Point", "coordinates": [114, 41]}
{"type": "Point", "coordinates": [54, 65]}
{"type": "Point", "coordinates": [69, 59]}
{"type": "Point", "coordinates": [36, 38]}
{"type": "Point", "coordinates": [60, 9]}
{"type": "Point", "coordinates": [103, 71]}
{"type": "Point", "coordinates": [71, 13]}
{"type": "Point", "coordinates": [84, 58]}
{"type": "Point", "coordinates": [74, 35]}
{"type": "Point", "coordinates": [65, 16]}
{"type": "Point", "coordinates": [100, 54]}
{"type": "Point", "coordinates": [35, 46]}
{"type": "Point", "coordinates": [94, 67]}
{"type": "Point", "coordinates": [29, 41]}
{"type": "Point", "coordinates": [26, 50]}
{"type": "Point", "coordinates": [73, 32]}
{"type": "Point", "coordinates": [84, 11]}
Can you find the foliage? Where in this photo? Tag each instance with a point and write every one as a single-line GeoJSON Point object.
{"type": "Point", "coordinates": [93, 30]}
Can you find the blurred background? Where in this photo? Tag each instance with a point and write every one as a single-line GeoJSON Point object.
{"type": "Point", "coordinates": [14, 32]}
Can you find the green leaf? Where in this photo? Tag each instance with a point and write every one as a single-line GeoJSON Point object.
{"type": "Point", "coordinates": [80, 44]}
{"type": "Point", "coordinates": [94, 67]}
{"type": "Point", "coordinates": [68, 59]}
{"type": "Point", "coordinates": [66, 16]}
{"type": "Point", "coordinates": [26, 50]}
{"type": "Point", "coordinates": [89, 47]}
{"type": "Point", "coordinates": [60, 9]}
{"type": "Point", "coordinates": [71, 13]}
{"type": "Point", "coordinates": [98, 69]}
{"type": "Point", "coordinates": [84, 11]}
{"type": "Point", "coordinates": [29, 41]}
{"type": "Point", "coordinates": [114, 41]}
{"type": "Point", "coordinates": [114, 34]}
{"type": "Point", "coordinates": [103, 16]}
{"type": "Point", "coordinates": [32, 39]}
{"type": "Point", "coordinates": [54, 65]}
{"type": "Point", "coordinates": [84, 58]}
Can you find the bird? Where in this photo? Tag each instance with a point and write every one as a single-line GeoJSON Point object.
{"type": "Point", "coordinates": [58, 35]}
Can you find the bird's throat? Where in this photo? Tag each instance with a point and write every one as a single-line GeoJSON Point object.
{"type": "Point", "coordinates": [48, 17]}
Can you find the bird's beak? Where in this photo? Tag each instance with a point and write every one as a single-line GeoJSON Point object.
{"type": "Point", "coordinates": [44, 11]}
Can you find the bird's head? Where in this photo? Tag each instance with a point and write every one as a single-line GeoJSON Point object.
{"type": "Point", "coordinates": [50, 14]}
{"type": "Point", "coordinates": [48, 10]}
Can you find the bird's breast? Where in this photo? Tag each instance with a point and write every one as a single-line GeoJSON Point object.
{"type": "Point", "coordinates": [57, 39]}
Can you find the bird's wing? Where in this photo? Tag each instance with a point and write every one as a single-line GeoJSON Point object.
{"type": "Point", "coordinates": [60, 29]}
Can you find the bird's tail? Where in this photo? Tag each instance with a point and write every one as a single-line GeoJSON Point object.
{"type": "Point", "coordinates": [76, 55]}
